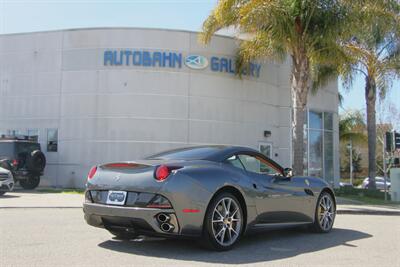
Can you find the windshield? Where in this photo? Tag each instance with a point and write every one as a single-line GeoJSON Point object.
{"type": "Point", "coordinates": [189, 153]}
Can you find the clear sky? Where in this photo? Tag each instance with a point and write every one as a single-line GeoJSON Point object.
{"type": "Point", "coordinates": [39, 15]}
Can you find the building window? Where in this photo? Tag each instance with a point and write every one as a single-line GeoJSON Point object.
{"type": "Point", "coordinates": [318, 149]}
{"type": "Point", "coordinates": [52, 140]}
{"type": "Point", "coordinates": [266, 149]}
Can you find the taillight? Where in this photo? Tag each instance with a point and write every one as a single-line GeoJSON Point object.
{"type": "Point", "coordinates": [14, 162]}
{"type": "Point", "coordinates": [92, 172]}
{"type": "Point", "coordinates": [161, 173]}
{"type": "Point", "coordinates": [159, 202]}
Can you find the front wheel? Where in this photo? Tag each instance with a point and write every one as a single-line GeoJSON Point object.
{"type": "Point", "coordinates": [31, 183]}
{"type": "Point", "coordinates": [2, 193]}
{"type": "Point", "coordinates": [325, 213]}
{"type": "Point", "coordinates": [223, 223]}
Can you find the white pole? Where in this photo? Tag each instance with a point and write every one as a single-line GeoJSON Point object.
{"type": "Point", "coordinates": [351, 162]}
{"type": "Point", "coordinates": [384, 166]}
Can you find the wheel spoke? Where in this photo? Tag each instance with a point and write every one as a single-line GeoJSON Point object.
{"type": "Point", "coordinates": [234, 213]}
{"type": "Point", "coordinates": [229, 234]}
{"type": "Point", "coordinates": [223, 235]}
{"type": "Point", "coordinates": [219, 214]}
{"type": "Point", "coordinates": [224, 206]}
{"type": "Point", "coordinates": [236, 233]}
{"type": "Point", "coordinates": [219, 232]}
{"type": "Point", "coordinates": [229, 206]}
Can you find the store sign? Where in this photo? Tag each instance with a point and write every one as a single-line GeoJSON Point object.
{"type": "Point", "coordinates": [167, 59]}
{"type": "Point", "coordinates": [196, 62]}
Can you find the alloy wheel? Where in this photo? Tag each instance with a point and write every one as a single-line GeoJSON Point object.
{"type": "Point", "coordinates": [226, 221]}
{"type": "Point", "coordinates": [326, 212]}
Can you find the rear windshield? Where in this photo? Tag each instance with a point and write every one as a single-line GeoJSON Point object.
{"type": "Point", "coordinates": [189, 153]}
{"type": "Point", "coordinates": [10, 149]}
{"type": "Point", "coordinates": [6, 149]}
{"type": "Point", "coordinates": [27, 147]}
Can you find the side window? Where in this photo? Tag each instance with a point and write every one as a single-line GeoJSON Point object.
{"type": "Point", "coordinates": [257, 165]}
{"type": "Point", "coordinates": [235, 162]}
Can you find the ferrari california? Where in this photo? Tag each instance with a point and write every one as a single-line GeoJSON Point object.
{"type": "Point", "coordinates": [213, 193]}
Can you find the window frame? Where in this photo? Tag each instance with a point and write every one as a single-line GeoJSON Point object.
{"type": "Point", "coordinates": [47, 139]}
{"type": "Point", "coordinates": [323, 130]}
{"type": "Point", "coordinates": [258, 156]}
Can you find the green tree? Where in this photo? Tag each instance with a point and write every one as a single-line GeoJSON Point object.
{"type": "Point", "coordinates": [356, 160]}
{"type": "Point", "coordinates": [373, 50]}
{"type": "Point", "coordinates": [307, 31]}
{"type": "Point", "coordinates": [351, 127]}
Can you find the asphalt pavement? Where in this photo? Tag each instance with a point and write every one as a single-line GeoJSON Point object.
{"type": "Point", "coordinates": [41, 229]}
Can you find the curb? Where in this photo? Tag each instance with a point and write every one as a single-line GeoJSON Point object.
{"type": "Point", "coordinates": [368, 212]}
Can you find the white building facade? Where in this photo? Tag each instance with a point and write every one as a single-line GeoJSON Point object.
{"type": "Point", "coordinates": [103, 95]}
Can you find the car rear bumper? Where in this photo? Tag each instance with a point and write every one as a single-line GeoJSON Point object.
{"type": "Point", "coordinates": [140, 220]}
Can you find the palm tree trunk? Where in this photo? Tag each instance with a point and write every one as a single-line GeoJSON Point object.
{"type": "Point", "coordinates": [370, 98]}
{"type": "Point", "coordinates": [299, 93]}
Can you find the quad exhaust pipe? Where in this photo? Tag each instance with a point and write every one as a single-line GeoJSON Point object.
{"type": "Point", "coordinates": [166, 227]}
{"type": "Point", "coordinates": [164, 221]}
{"type": "Point", "coordinates": [163, 218]}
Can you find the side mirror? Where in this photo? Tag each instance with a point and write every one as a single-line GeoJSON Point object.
{"type": "Point", "coordinates": [288, 172]}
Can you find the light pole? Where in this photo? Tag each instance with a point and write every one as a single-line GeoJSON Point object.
{"type": "Point", "coordinates": [350, 147]}
{"type": "Point", "coordinates": [383, 141]}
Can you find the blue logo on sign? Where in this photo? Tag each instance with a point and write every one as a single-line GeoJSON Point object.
{"type": "Point", "coordinates": [196, 62]}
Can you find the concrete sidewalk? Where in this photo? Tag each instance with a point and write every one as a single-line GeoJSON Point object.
{"type": "Point", "coordinates": [34, 199]}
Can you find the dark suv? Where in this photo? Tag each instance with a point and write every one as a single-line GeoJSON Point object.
{"type": "Point", "coordinates": [24, 159]}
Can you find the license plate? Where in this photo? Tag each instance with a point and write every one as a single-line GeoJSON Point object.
{"type": "Point", "coordinates": [116, 197]}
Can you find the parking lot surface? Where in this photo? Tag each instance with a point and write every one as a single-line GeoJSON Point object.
{"type": "Point", "coordinates": [56, 235]}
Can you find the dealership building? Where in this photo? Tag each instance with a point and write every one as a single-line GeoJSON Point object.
{"type": "Point", "coordinates": [109, 94]}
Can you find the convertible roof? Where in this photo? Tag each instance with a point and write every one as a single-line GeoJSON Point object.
{"type": "Point", "coordinates": [205, 152]}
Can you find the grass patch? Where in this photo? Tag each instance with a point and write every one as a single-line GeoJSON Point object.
{"type": "Point", "coordinates": [62, 190]}
{"type": "Point", "coordinates": [366, 196]}
{"type": "Point", "coordinates": [370, 200]}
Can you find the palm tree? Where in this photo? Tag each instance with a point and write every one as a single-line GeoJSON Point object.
{"type": "Point", "coordinates": [307, 31]}
{"type": "Point", "coordinates": [351, 127]}
{"type": "Point", "coordinates": [374, 52]}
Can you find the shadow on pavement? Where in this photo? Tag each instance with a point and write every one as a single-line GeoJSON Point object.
{"type": "Point", "coordinates": [265, 246]}
{"type": "Point", "coordinates": [7, 195]}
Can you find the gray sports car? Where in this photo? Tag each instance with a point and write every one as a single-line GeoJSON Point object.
{"type": "Point", "coordinates": [218, 193]}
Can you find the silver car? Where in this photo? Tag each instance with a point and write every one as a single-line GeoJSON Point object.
{"type": "Point", "coordinates": [379, 182]}
{"type": "Point", "coordinates": [217, 193]}
{"type": "Point", "coordinates": [6, 181]}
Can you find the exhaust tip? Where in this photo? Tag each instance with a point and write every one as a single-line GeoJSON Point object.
{"type": "Point", "coordinates": [166, 227]}
{"type": "Point", "coordinates": [163, 217]}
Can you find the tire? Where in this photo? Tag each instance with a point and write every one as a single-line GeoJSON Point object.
{"type": "Point", "coordinates": [122, 235]}
{"type": "Point", "coordinates": [325, 213]}
{"type": "Point", "coordinates": [222, 230]}
{"type": "Point", "coordinates": [31, 183]}
{"type": "Point", "coordinates": [36, 161]}
{"type": "Point", "coordinates": [2, 193]}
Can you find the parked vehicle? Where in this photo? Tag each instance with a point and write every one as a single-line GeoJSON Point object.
{"type": "Point", "coordinates": [6, 181]}
{"type": "Point", "coordinates": [24, 158]}
{"type": "Point", "coordinates": [379, 182]}
{"type": "Point", "coordinates": [344, 184]}
{"type": "Point", "coordinates": [218, 193]}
